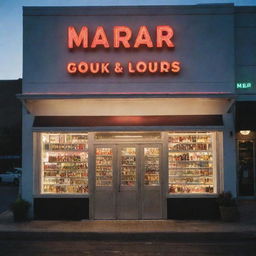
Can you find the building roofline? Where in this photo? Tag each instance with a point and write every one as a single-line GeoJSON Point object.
{"type": "Point", "coordinates": [129, 10]}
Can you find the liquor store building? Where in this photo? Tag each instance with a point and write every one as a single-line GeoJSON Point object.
{"type": "Point", "coordinates": [129, 112]}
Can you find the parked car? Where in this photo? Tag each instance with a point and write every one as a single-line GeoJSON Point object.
{"type": "Point", "coordinates": [12, 176]}
{"type": "Point", "coordinates": [17, 170]}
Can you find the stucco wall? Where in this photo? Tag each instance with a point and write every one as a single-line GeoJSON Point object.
{"type": "Point", "coordinates": [245, 47]}
{"type": "Point", "coordinates": [203, 38]}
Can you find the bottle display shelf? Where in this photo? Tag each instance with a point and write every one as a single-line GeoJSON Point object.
{"type": "Point", "coordinates": [190, 163]}
{"type": "Point", "coordinates": [64, 163]}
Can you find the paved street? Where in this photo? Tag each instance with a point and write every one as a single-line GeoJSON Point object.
{"type": "Point", "coordinates": [100, 248]}
{"type": "Point", "coordinates": [8, 194]}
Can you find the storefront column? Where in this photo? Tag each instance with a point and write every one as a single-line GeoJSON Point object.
{"type": "Point", "coordinates": [229, 155]}
{"type": "Point", "coordinates": [27, 158]}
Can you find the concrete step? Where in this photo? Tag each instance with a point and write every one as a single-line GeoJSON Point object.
{"type": "Point", "coordinates": [130, 236]}
{"type": "Point", "coordinates": [172, 230]}
{"type": "Point", "coordinates": [247, 210]}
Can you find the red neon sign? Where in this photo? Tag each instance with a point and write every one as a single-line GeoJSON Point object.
{"type": "Point", "coordinates": [132, 68]}
{"type": "Point", "coordinates": [121, 37]}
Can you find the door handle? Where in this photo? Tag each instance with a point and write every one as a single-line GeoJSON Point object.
{"type": "Point", "coordinates": [119, 188]}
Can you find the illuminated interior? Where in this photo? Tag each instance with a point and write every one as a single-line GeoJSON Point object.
{"type": "Point", "coordinates": [128, 136]}
{"type": "Point", "coordinates": [64, 163]}
{"type": "Point", "coordinates": [191, 161]}
{"type": "Point", "coordinates": [245, 132]}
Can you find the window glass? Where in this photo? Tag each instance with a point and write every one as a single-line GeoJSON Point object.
{"type": "Point", "coordinates": [104, 167]}
{"type": "Point", "coordinates": [151, 166]}
{"type": "Point", "coordinates": [128, 167]}
{"type": "Point", "coordinates": [64, 163]}
{"type": "Point", "coordinates": [191, 163]}
{"type": "Point", "coordinates": [246, 170]}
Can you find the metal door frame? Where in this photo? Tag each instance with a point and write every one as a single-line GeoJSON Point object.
{"type": "Point", "coordinates": [161, 175]}
{"type": "Point", "coordinates": [114, 176]}
{"type": "Point", "coordinates": [117, 145]}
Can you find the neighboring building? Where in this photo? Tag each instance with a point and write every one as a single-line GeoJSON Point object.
{"type": "Point", "coordinates": [10, 124]}
{"type": "Point", "coordinates": [130, 111]}
{"type": "Point", "coordinates": [245, 52]}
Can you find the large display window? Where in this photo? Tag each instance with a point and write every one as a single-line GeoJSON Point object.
{"type": "Point", "coordinates": [191, 163]}
{"type": "Point", "coordinates": [64, 163]}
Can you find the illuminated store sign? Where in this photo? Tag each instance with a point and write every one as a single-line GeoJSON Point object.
{"type": "Point", "coordinates": [122, 38]}
{"type": "Point", "coordinates": [244, 85]}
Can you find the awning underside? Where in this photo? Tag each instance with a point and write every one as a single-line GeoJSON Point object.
{"type": "Point", "coordinates": [94, 121]}
{"type": "Point", "coordinates": [128, 106]}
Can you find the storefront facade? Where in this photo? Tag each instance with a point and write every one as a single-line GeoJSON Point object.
{"type": "Point", "coordinates": [128, 111]}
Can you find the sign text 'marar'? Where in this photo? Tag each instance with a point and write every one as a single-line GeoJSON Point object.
{"type": "Point", "coordinates": [122, 37]}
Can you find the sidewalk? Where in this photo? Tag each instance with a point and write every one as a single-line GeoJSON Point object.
{"type": "Point", "coordinates": [131, 230]}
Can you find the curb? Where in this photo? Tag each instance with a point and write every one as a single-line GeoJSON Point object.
{"type": "Point", "coordinates": [136, 236]}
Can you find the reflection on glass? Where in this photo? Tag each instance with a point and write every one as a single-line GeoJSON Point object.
{"type": "Point", "coordinates": [104, 166]}
{"type": "Point", "coordinates": [246, 175]}
{"type": "Point", "coordinates": [128, 166]}
{"type": "Point", "coordinates": [190, 160]}
{"type": "Point", "coordinates": [151, 166]}
{"type": "Point", "coordinates": [64, 163]}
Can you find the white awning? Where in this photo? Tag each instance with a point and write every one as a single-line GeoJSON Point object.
{"type": "Point", "coordinates": [126, 106]}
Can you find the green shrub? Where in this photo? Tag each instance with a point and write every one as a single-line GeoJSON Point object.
{"type": "Point", "coordinates": [20, 209]}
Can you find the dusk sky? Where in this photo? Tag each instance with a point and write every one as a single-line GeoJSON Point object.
{"type": "Point", "coordinates": [11, 24]}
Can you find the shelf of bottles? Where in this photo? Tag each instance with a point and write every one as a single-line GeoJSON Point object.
{"type": "Point", "coordinates": [104, 167]}
{"type": "Point", "coordinates": [151, 166]}
{"type": "Point", "coordinates": [128, 166]}
{"type": "Point", "coordinates": [64, 163]}
{"type": "Point", "coordinates": [190, 160]}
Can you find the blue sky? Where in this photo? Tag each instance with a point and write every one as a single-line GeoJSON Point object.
{"type": "Point", "coordinates": [11, 24]}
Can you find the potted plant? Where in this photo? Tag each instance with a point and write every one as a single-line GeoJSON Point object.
{"type": "Point", "coordinates": [20, 209]}
{"type": "Point", "coordinates": [228, 207]}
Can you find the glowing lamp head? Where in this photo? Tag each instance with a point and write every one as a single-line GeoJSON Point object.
{"type": "Point", "coordinates": [245, 132]}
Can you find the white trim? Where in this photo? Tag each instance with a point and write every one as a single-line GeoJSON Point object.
{"type": "Point", "coordinates": [102, 95]}
{"type": "Point", "coordinates": [61, 196]}
{"type": "Point", "coordinates": [215, 195]}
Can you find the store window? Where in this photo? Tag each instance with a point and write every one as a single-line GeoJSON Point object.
{"type": "Point", "coordinates": [64, 163]}
{"type": "Point", "coordinates": [191, 161]}
{"type": "Point", "coordinates": [246, 168]}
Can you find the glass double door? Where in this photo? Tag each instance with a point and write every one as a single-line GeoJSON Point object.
{"type": "Point", "coordinates": [128, 182]}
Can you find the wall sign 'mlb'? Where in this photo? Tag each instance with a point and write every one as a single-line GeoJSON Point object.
{"type": "Point", "coordinates": [244, 85]}
{"type": "Point", "coordinates": [122, 38]}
